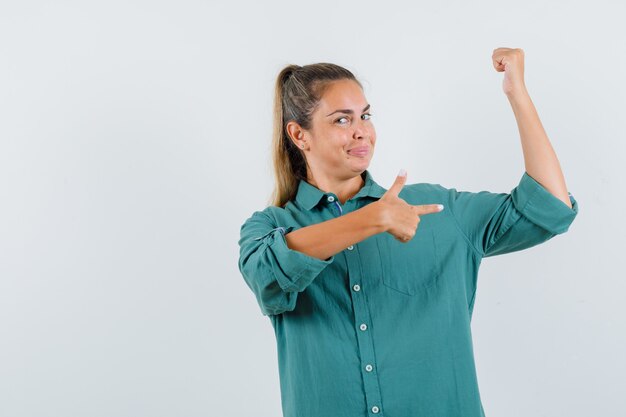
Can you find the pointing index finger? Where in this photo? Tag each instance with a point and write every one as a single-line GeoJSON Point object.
{"type": "Point", "coordinates": [429, 208]}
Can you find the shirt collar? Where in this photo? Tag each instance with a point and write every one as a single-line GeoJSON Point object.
{"type": "Point", "coordinates": [308, 196]}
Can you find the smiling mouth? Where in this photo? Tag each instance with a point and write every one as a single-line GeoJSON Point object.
{"type": "Point", "coordinates": [358, 152]}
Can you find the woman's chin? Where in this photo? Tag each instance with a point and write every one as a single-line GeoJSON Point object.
{"type": "Point", "coordinates": [360, 164]}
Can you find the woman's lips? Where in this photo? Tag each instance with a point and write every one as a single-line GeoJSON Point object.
{"type": "Point", "coordinates": [359, 151]}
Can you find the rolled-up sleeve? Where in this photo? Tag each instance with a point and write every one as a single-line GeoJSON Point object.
{"type": "Point", "coordinates": [499, 223]}
{"type": "Point", "coordinates": [272, 270]}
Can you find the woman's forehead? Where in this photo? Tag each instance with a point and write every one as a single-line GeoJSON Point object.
{"type": "Point", "coordinates": [346, 101]}
{"type": "Point", "coordinates": [343, 93]}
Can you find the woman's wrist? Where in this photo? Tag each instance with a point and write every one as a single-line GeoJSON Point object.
{"type": "Point", "coordinates": [375, 217]}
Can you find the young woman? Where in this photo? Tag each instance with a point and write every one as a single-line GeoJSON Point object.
{"type": "Point", "coordinates": [371, 312]}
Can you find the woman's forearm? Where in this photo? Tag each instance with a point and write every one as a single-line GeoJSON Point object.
{"type": "Point", "coordinates": [539, 157]}
{"type": "Point", "coordinates": [325, 239]}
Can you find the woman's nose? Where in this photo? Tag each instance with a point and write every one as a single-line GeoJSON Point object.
{"type": "Point", "coordinates": [361, 131]}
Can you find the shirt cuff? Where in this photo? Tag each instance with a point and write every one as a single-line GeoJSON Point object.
{"type": "Point", "coordinates": [298, 269]}
{"type": "Point", "coordinates": [542, 207]}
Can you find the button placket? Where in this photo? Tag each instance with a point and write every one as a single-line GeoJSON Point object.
{"type": "Point", "coordinates": [362, 320]}
{"type": "Point", "coordinates": [332, 199]}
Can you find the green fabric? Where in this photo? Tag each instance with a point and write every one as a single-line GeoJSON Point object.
{"type": "Point", "coordinates": [399, 344]}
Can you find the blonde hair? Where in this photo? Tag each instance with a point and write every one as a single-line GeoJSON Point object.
{"type": "Point", "coordinates": [297, 93]}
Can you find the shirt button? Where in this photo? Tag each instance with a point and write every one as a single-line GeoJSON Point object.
{"type": "Point", "coordinates": [356, 287]}
{"type": "Point", "coordinates": [369, 367]}
{"type": "Point", "coordinates": [350, 247]}
{"type": "Point", "coordinates": [375, 410]}
{"type": "Point", "coordinates": [331, 198]}
{"type": "Point", "coordinates": [363, 326]}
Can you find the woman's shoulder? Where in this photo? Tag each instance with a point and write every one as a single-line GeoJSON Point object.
{"type": "Point", "coordinates": [271, 215]}
{"type": "Point", "coordinates": [422, 189]}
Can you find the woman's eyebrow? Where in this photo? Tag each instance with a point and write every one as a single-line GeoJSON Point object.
{"type": "Point", "coordinates": [347, 111]}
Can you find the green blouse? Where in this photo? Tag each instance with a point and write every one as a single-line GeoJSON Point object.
{"type": "Point", "coordinates": [383, 327]}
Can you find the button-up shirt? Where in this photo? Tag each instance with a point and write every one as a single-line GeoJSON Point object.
{"type": "Point", "coordinates": [382, 328]}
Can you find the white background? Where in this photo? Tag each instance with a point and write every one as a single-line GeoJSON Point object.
{"type": "Point", "coordinates": [134, 142]}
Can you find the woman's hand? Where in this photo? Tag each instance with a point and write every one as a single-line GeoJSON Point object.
{"type": "Point", "coordinates": [511, 61]}
{"type": "Point", "coordinates": [399, 218]}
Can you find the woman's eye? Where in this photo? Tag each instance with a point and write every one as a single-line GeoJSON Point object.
{"type": "Point", "coordinates": [369, 115]}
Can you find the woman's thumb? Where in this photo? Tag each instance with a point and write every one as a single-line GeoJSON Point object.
{"type": "Point", "coordinates": [398, 183]}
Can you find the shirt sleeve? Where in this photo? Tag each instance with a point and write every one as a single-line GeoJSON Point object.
{"type": "Point", "coordinates": [272, 270]}
{"type": "Point", "coordinates": [499, 223]}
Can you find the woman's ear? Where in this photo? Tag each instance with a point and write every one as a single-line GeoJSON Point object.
{"type": "Point", "coordinates": [295, 131]}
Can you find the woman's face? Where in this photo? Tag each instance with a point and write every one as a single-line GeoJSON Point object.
{"type": "Point", "coordinates": [342, 137]}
